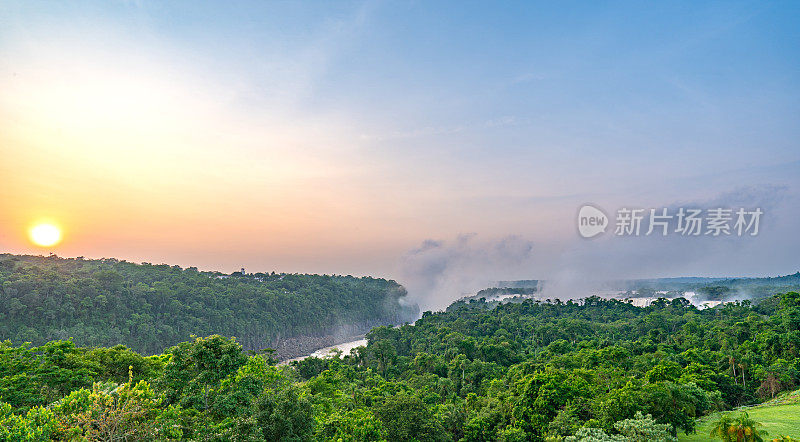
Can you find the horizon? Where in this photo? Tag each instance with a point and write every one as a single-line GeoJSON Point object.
{"type": "Point", "coordinates": [266, 271]}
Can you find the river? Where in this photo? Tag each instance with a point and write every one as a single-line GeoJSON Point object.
{"type": "Point", "coordinates": [327, 352]}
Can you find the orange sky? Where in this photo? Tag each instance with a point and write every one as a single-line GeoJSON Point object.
{"type": "Point", "coordinates": [151, 160]}
{"type": "Point", "coordinates": [153, 168]}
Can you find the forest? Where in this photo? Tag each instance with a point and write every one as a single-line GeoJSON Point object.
{"type": "Point", "coordinates": [589, 370]}
{"type": "Point", "coordinates": [149, 307]}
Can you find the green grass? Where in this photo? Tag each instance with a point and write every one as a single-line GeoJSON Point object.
{"type": "Point", "coordinates": [780, 416]}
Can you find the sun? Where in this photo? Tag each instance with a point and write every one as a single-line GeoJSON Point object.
{"type": "Point", "coordinates": [45, 234]}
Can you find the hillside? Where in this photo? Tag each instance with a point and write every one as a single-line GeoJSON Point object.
{"type": "Point", "coordinates": [151, 307]}
{"type": "Point", "coordinates": [780, 417]}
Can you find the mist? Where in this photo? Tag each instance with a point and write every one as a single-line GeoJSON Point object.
{"type": "Point", "coordinates": [440, 271]}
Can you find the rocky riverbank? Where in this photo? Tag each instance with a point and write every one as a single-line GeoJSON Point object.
{"type": "Point", "coordinates": [297, 346]}
{"type": "Point", "coordinates": [291, 348]}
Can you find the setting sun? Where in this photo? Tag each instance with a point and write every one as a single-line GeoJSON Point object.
{"type": "Point", "coordinates": [45, 235]}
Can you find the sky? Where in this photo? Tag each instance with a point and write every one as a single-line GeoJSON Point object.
{"type": "Point", "coordinates": [362, 137]}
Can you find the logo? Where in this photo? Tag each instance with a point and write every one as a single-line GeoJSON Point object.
{"type": "Point", "coordinates": [591, 221]}
{"type": "Point", "coordinates": [687, 222]}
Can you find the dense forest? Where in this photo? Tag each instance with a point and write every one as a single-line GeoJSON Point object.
{"type": "Point", "coordinates": [594, 370]}
{"type": "Point", "coordinates": [717, 289]}
{"type": "Point", "coordinates": [150, 307]}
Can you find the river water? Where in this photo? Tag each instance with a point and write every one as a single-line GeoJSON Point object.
{"type": "Point", "coordinates": [327, 352]}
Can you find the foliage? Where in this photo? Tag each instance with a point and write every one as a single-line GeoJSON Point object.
{"type": "Point", "coordinates": [407, 418]}
{"type": "Point", "coordinates": [357, 425]}
{"type": "Point", "coordinates": [149, 307]}
{"type": "Point", "coordinates": [125, 412]}
{"type": "Point", "coordinates": [644, 429]}
{"type": "Point", "coordinates": [281, 416]}
{"type": "Point", "coordinates": [738, 428]}
{"type": "Point", "coordinates": [588, 434]}
{"type": "Point", "coordinates": [195, 368]}
{"type": "Point", "coordinates": [36, 424]}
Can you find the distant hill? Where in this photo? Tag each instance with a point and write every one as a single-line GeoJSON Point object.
{"type": "Point", "coordinates": [722, 288]}
{"type": "Point", "coordinates": [522, 284]}
{"type": "Point", "coordinates": [706, 288]}
{"type": "Point", "coordinates": [149, 307]}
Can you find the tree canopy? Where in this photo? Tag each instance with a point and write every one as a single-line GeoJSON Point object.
{"type": "Point", "coordinates": [150, 307]}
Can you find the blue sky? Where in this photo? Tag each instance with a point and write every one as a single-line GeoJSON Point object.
{"type": "Point", "coordinates": [338, 136]}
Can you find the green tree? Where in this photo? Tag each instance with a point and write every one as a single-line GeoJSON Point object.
{"type": "Point", "coordinates": [195, 368]}
{"type": "Point", "coordinates": [645, 429]}
{"type": "Point", "coordinates": [407, 418]}
{"type": "Point", "coordinates": [738, 428]}
{"type": "Point", "coordinates": [277, 416]}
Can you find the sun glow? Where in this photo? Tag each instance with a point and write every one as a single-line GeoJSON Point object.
{"type": "Point", "coordinates": [45, 234]}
